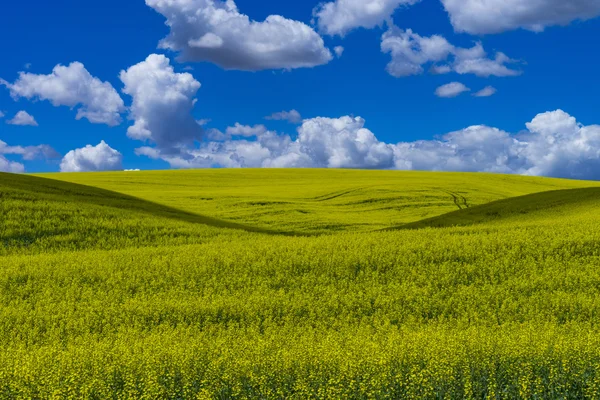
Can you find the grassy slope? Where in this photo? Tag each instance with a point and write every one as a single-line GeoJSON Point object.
{"type": "Point", "coordinates": [537, 208]}
{"type": "Point", "coordinates": [152, 303]}
{"type": "Point", "coordinates": [318, 200]}
{"type": "Point", "coordinates": [40, 214]}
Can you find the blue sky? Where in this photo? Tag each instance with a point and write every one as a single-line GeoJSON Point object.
{"type": "Point", "coordinates": [554, 55]}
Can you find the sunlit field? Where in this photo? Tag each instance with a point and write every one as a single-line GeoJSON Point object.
{"type": "Point", "coordinates": [298, 284]}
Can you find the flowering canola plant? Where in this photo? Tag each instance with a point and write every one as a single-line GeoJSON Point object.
{"type": "Point", "coordinates": [373, 285]}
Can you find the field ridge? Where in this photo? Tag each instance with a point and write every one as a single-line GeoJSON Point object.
{"type": "Point", "coordinates": [56, 190]}
{"type": "Point", "coordinates": [519, 206]}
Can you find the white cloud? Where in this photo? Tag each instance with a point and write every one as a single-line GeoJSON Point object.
{"type": "Point", "coordinates": [452, 89]}
{"type": "Point", "coordinates": [486, 92]}
{"type": "Point", "coordinates": [495, 16]}
{"type": "Point", "coordinates": [411, 52]}
{"type": "Point", "coordinates": [29, 152]}
{"type": "Point", "coordinates": [216, 135]}
{"type": "Point", "coordinates": [341, 16]}
{"type": "Point", "coordinates": [560, 146]}
{"type": "Point", "coordinates": [246, 130]}
{"type": "Point", "coordinates": [474, 149]}
{"type": "Point", "coordinates": [72, 86]}
{"type": "Point", "coordinates": [11, 166]}
{"type": "Point", "coordinates": [439, 69]}
{"type": "Point", "coordinates": [22, 118]}
{"type": "Point", "coordinates": [292, 116]}
{"type": "Point", "coordinates": [1, 114]}
{"type": "Point", "coordinates": [215, 31]}
{"type": "Point", "coordinates": [475, 61]}
{"type": "Point", "coordinates": [339, 51]}
{"type": "Point", "coordinates": [162, 103]}
{"type": "Point", "coordinates": [554, 144]}
{"type": "Point", "coordinates": [26, 152]}
{"type": "Point", "coordinates": [343, 143]}
{"type": "Point", "coordinates": [321, 142]}
{"type": "Point", "coordinates": [99, 158]}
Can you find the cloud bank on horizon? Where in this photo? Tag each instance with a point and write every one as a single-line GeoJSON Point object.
{"type": "Point", "coordinates": [158, 103]}
{"type": "Point", "coordinates": [92, 158]}
{"type": "Point", "coordinates": [554, 144]}
{"type": "Point", "coordinates": [27, 153]}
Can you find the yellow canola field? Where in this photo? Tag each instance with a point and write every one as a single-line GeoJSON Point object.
{"type": "Point", "coordinates": [371, 285]}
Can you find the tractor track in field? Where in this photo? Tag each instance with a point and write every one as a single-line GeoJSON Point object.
{"type": "Point", "coordinates": [460, 201]}
{"type": "Point", "coordinates": [335, 195]}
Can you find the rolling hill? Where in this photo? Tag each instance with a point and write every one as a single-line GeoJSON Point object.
{"type": "Point", "coordinates": [298, 284]}
{"type": "Point", "coordinates": [318, 201]}
{"type": "Point", "coordinates": [533, 208]}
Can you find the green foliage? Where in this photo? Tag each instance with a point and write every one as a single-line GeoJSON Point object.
{"type": "Point", "coordinates": [137, 293]}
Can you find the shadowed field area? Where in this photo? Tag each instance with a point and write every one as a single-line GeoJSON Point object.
{"type": "Point", "coordinates": [318, 201]}
{"type": "Point", "coordinates": [521, 209]}
{"type": "Point", "coordinates": [52, 192]}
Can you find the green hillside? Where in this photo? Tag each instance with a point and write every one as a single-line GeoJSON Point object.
{"type": "Point", "coordinates": [318, 200]}
{"type": "Point", "coordinates": [298, 284]}
{"type": "Point", "coordinates": [537, 208]}
{"type": "Point", "coordinates": [40, 214]}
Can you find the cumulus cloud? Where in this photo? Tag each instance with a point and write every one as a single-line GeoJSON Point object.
{"type": "Point", "coordinates": [22, 118]}
{"type": "Point", "coordinates": [474, 149]}
{"type": "Point", "coordinates": [339, 51]}
{"type": "Point", "coordinates": [1, 114]}
{"type": "Point", "coordinates": [29, 152]}
{"type": "Point", "coordinates": [486, 92]}
{"type": "Point", "coordinates": [554, 144]}
{"type": "Point", "coordinates": [341, 16]}
{"type": "Point", "coordinates": [92, 158]}
{"type": "Point", "coordinates": [452, 89]}
{"type": "Point", "coordinates": [11, 166]}
{"type": "Point", "coordinates": [292, 116]}
{"type": "Point", "coordinates": [26, 152]}
{"type": "Point", "coordinates": [495, 16]}
{"type": "Point", "coordinates": [321, 142]}
{"type": "Point", "coordinates": [72, 86]}
{"type": "Point", "coordinates": [215, 31]}
{"type": "Point", "coordinates": [411, 52]}
{"type": "Point", "coordinates": [162, 104]}
{"type": "Point", "coordinates": [560, 146]}
{"type": "Point", "coordinates": [343, 143]}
